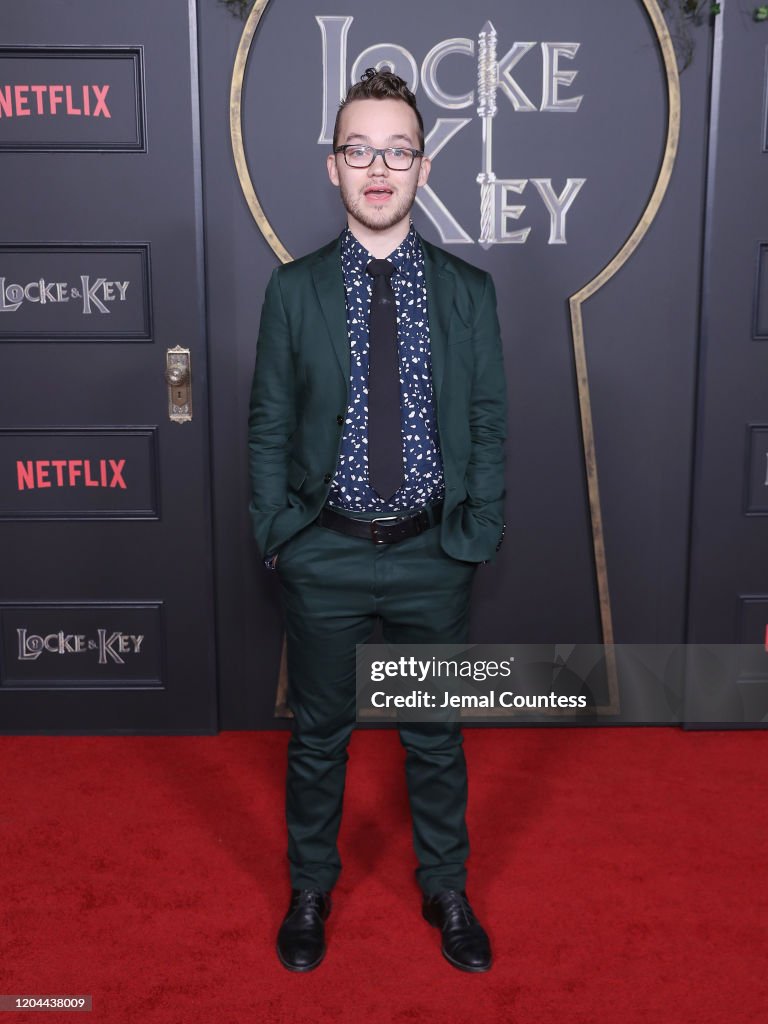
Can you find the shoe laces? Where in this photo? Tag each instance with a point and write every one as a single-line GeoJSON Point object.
{"type": "Point", "coordinates": [310, 898]}
{"type": "Point", "coordinates": [456, 903]}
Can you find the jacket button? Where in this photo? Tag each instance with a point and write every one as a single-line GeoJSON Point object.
{"type": "Point", "coordinates": [340, 420]}
{"type": "Point", "coordinates": [327, 478]}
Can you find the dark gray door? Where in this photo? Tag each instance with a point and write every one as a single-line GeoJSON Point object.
{"type": "Point", "coordinates": [105, 589]}
{"type": "Point", "coordinates": [729, 586]}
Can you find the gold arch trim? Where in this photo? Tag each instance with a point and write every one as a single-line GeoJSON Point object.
{"type": "Point", "coordinates": [575, 301]}
{"type": "Point", "coordinates": [236, 132]}
{"type": "Point", "coordinates": [579, 352]}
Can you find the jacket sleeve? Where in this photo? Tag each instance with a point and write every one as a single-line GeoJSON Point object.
{"type": "Point", "coordinates": [488, 422]}
{"type": "Point", "coordinates": [272, 416]}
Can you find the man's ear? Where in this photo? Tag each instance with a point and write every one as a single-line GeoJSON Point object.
{"type": "Point", "coordinates": [426, 167]}
{"type": "Point", "coordinates": [333, 172]}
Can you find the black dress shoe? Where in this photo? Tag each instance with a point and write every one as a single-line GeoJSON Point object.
{"type": "Point", "coordinates": [301, 939]}
{"type": "Point", "coordinates": [465, 944]}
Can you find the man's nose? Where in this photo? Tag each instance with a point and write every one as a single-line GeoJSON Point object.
{"type": "Point", "coordinates": [378, 166]}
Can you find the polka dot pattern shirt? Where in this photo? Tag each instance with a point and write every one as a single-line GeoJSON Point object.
{"type": "Point", "coordinates": [423, 468]}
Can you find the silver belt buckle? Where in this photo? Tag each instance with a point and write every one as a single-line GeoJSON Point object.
{"type": "Point", "coordinates": [374, 523]}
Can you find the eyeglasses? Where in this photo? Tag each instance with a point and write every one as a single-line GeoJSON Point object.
{"type": "Point", "coordinates": [396, 158]}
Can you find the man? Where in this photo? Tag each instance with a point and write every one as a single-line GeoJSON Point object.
{"type": "Point", "coordinates": [377, 423]}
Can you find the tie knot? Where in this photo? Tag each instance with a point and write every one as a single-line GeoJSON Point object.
{"type": "Point", "coordinates": [380, 268]}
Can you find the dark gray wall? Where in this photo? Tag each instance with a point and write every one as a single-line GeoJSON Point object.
{"type": "Point", "coordinates": [641, 330]}
{"type": "Point", "coordinates": [675, 342]}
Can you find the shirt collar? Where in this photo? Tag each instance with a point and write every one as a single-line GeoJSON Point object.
{"type": "Point", "coordinates": [357, 256]}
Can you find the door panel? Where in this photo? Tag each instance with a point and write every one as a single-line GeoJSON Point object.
{"type": "Point", "coordinates": [105, 599]}
{"type": "Point", "coordinates": [729, 530]}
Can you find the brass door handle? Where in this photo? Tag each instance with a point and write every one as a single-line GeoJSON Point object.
{"type": "Point", "coordinates": [178, 377]}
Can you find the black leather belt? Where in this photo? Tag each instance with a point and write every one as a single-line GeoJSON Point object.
{"type": "Point", "coordinates": [385, 529]}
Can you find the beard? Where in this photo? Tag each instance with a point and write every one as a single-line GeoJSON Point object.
{"type": "Point", "coordinates": [384, 217]}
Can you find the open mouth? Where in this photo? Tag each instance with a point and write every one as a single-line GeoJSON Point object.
{"type": "Point", "coordinates": [378, 193]}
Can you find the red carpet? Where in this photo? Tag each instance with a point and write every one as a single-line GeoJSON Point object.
{"type": "Point", "coordinates": [621, 874]}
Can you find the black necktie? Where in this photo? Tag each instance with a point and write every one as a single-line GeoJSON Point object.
{"type": "Point", "coordinates": [385, 446]}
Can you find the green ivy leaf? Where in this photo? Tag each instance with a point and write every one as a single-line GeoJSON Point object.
{"type": "Point", "coordinates": [237, 7]}
{"type": "Point", "coordinates": [760, 13]}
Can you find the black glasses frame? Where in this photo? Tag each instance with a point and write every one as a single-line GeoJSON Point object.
{"type": "Point", "coordinates": [378, 152]}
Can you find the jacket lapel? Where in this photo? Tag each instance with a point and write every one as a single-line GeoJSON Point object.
{"type": "Point", "coordinates": [440, 288]}
{"type": "Point", "coordinates": [329, 286]}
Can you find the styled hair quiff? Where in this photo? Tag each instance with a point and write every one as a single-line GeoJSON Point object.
{"type": "Point", "coordinates": [380, 85]}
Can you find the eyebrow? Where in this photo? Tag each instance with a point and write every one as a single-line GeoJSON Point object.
{"type": "Point", "coordinates": [391, 138]}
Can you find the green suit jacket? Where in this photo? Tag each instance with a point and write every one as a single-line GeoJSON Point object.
{"type": "Point", "coordinates": [300, 391]}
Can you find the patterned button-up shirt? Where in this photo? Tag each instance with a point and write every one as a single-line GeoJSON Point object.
{"type": "Point", "coordinates": [423, 468]}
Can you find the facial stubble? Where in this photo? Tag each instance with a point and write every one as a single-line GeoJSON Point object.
{"type": "Point", "coordinates": [385, 217]}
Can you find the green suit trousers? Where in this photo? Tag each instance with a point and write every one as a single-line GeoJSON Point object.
{"type": "Point", "coordinates": [334, 588]}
